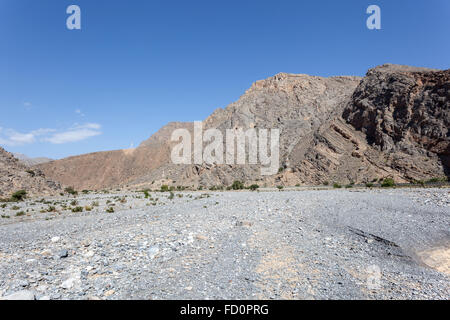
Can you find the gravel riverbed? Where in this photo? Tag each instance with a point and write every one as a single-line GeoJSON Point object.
{"type": "Point", "coordinates": [309, 244]}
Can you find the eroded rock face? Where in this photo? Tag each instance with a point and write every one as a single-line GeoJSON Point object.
{"type": "Point", "coordinates": [16, 176]}
{"type": "Point", "coordinates": [405, 111]}
{"type": "Point", "coordinates": [393, 122]}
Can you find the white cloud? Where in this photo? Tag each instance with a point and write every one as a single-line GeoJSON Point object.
{"type": "Point", "coordinates": [10, 137]}
{"type": "Point", "coordinates": [75, 134]}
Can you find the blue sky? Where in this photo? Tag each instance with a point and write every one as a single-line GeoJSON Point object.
{"type": "Point", "coordinates": [136, 65]}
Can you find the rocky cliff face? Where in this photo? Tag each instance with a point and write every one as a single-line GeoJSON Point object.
{"type": "Point", "coordinates": [393, 122]}
{"type": "Point", "coordinates": [16, 176]}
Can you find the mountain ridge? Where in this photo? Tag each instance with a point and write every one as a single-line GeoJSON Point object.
{"type": "Point", "coordinates": [327, 134]}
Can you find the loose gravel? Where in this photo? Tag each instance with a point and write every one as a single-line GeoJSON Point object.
{"type": "Point", "coordinates": [310, 244]}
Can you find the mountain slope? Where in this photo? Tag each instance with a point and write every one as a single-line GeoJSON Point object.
{"type": "Point", "coordinates": [31, 161]}
{"type": "Point", "coordinates": [15, 176]}
{"type": "Point", "coordinates": [393, 122]}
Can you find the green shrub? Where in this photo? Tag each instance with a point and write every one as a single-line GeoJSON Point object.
{"type": "Point", "coordinates": [387, 183]}
{"type": "Point", "coordinates": [171, 196]}
{"type": "Point", "coordinates": [369, 185]}
{"type": "Point", "coordinates": [20, 213]}
{"type": "Point", "coordinates": [326, 183]}
{"type": "Point", "coordinates": [164, 188]}
{"type": "Point", "coordinates": [253, 187]}
{"type": "Point", "coordinates": [71, 190]}
{"type": "Point", "coordinates": [77, 209]}
{"type": "Point", "coordinates": [15, 208]}
{"type": "Point", "coordinates": [110, 210]}
{"type": "Point", "coordinates": [280, 188]}
{"type": "Point", "coordinates": [336, 185]}
{"type": "Point", "coordinates": [237, 185]}
{"type": "Point", "coordinates": [19, 195]}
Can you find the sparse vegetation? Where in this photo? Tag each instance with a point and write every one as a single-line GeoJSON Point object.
{"type": "Point", "coordinates": [71, 190]}
{"type": "Point", "coordinates": [19, 195]}
{"type": "Point", "coordinates": [110, 210]}
{"type": "Point", "coordinates": [20, 213]}
{"type": "Point", "coordinates": [369, 185]}
{"type": "Point", "coordinates": [237, 185]}
{"type": "Point", "coordinates": [280, 188]}
{"type": "Point", "coordinates": [388, 183]}
{"type": "Point", "coordinates": [336, 185]}
{"type": "Point", "coordinates": [171, 196]}
{"type": "Point", "coordinates": [326, 183]}
{"type": "Point", "coordinates": [77, 209]}
{"type": "Point", "coordinates": [253, 187]}
{"type": "Point", "coordinates": [164, 188]}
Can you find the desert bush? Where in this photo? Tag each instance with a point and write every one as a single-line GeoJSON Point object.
{"type": "Point", "coordinates": [237, 185]}
{"type": "Point", "coordinates": [280, 188]}
{"type": "Point", "coordinates": [387, 183]}
{"type": "Point", "coordinates": [164, 188]}
{"type": "Point", "coordinates": [110, 210]}
{"type": "Point", "coordinates": [253, 187]}
{"type": "Point", "coordinates": [369, 185]}
{"type": "Point", "coordinates": [71, 190]}
{"type": "Point", "coordinates": [19, 195]}
{"type": "Point", "coordinates": [20, 213]}
{"type": "Point", "coordinates": [336, 185]}
{"type": "Point", "coordinates": [171, 196]}
{"type": "Point", "coordinates": [77, 209]}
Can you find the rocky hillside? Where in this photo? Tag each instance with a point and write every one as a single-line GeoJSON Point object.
{"type": "Point", "coordinates": [15, 176]}
{"type": "Point", "coordinates": [391, 123]}
{"type": "Point", "coordinates": [31, 161]}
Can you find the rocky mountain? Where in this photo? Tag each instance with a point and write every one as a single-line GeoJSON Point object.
{"type": "Point", "coordinates": [31, 161]}
{"type": "Point", "coordinates": [15, 176]}
{"type": "Point", "coordinates": [391, 123]}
